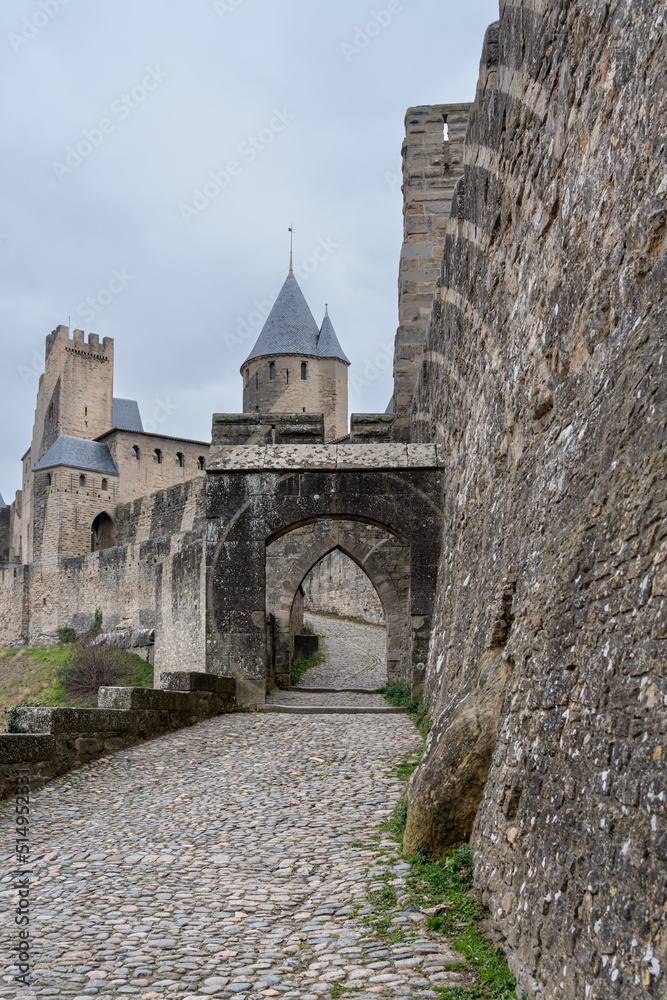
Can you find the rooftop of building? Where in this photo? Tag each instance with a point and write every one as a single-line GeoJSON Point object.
{"type": "Point", "coordinates": [126, 414]}
{"type": "Point", "coordinates": [290, 328]}
{"type": "Point", "coordinates": [78, 453]}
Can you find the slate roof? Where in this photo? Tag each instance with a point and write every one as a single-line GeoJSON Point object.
{"type": "Point", "coordinates": [327, 342]}
{"type": "Point", "coordinates": [126, 415]}
{"type": "Point", "coordinates": [76, 453]}
{"type": "Point", "coordinates": [290, 328]}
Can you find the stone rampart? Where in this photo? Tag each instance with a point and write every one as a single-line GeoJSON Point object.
{"type": "Point", "coordinates": [337, 585]}
{"type": "Point", "coordinates": [57, 739]}
{"type": "Point", "coordinates": [543, 379]}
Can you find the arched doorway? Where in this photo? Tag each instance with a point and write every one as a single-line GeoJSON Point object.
{"type": "Point", "coordinates": [375, 559]}
{"type": "Point", "coordinates": [342, 607]}
{"type": "Point", "coordinates": [102, 533]}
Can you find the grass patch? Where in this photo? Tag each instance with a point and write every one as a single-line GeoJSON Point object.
{"type": "Point", "coordinates": [446, 884]}
{"type": "Point", "coordinates": [398, 695]}
{"type": "Point", "coordinates": [299, 667]}
{"type": "Point", "coordinates": [32, 675]}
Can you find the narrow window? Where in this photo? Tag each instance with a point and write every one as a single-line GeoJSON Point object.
{"type": "Point", "coordinates": [105, 485]}
{"type": "Point", "coordinates": [287, 375]}
{"type": "Point", "coordinates": [85, 411]}
{"type": "Point", "coordinates": [303, 370]}
{"type": "Point", "coordinates": [158, 456]}
{"type": "Point", "coordinates": [180, 457]}
{"type": "Point", "coordinates": [272, 370]}
{"type": "Point", "coordinates": [50, 411]}
{"type": "Point", "coordinates": [445, 129]}
{"type": "Point", "coordinates": [82, 480]}
{"type": "Point", "coordinates": [48, 478]}
{"type": "Point", "coordinates": [136, 452]}
{"type": "Point", "coordinates": [256, 380]}
{"type": "Point", "coordinates": [201, 462]}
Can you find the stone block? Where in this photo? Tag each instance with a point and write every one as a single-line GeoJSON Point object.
{"type": "Point", "coordinates": [18, 748]}
{"type": "Point", "coordinates": [128, 698]}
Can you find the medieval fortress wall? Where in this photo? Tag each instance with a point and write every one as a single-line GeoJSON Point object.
{"type": "Point", "coordinates": [529, 379]}
{"type": "Point", "coordinates": [543, 379]}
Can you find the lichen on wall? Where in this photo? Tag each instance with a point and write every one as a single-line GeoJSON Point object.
{"type": "Point", "coordinates": [543, 380]}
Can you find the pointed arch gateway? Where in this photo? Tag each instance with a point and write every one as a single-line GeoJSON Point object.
{"type": "Point", "coordinates": [383, 558]}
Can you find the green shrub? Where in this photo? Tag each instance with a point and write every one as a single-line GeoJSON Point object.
{"type": "Point", "coordinates": [96, 626]}
{"type": "Point", "coordinates": [66, 636]}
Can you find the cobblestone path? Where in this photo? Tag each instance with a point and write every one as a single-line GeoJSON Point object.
{"type": "Point", "coordinates": [230, 859]}
{"type": "Point", "coordinates": [356, 654]}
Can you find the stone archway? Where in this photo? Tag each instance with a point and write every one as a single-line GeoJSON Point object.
{"type": "Point", "coordinates": [102, 533]}
{"type": "Point", "coordinates": [255, 495]}
{"type": "Point", "coordinates": [383, 558]}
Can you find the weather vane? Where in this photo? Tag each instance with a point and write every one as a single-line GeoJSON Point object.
{"type": "Point", "coordinates": [291, 237]}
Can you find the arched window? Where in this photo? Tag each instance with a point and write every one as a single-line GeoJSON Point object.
{"type": "Point", "coordinates": [48, 478]}
{"type": "Point", "coordinates": [105, 485]}
{"type": "Point", "coordinates": [102, 533]}
{"type": "Point", "coordinates": [157, 455]}
{"type": "Point", "coordinates": [82, 481]}
{"type": "Point", "coordinates": [180, 458]}
{"type": "Point", "coordinates": [272, 370]}
{"type": "Point", "coordinates": [136, 452]}
{"type": "Point", "coordinates": [201, 462]}
{"type": "Point", "coordinates": [303, 370]}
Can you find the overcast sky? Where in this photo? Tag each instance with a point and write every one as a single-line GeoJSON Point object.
{"type": "Point", "coordinates": [298, 109]}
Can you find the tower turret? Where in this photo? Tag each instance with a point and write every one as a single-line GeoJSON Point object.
{"type": "Point", "coordinates": [296, 367]}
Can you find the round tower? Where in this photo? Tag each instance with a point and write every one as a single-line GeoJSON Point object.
{"type": "Point", "coordinates": [296, 367]}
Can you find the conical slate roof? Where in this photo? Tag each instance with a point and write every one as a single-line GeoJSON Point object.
{"type": "Point", "coordinates": [290, 328]}
{"type": "Point", "coordinates": [327, 342]}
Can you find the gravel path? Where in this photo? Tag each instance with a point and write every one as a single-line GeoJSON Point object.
{"type": "Point", "coordinates": [233, 858]}
{"type": "Point", "coordinates": [356, 654]}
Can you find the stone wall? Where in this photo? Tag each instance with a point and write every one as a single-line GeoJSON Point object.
{"type": "Point", "coordinates": [337, 586]}
{"type": "Point", "coordinates": [544, 381]}
{"type": "Point", "coordinates": [153, 578]}
{"type": "Point", "coordinates": [323, 390]}
{"type": "Point", "coordinates": [141, 473]}
{"type": "Point", "coordinates": [432, 164]}
{"type": "Point", "coordinates": [54, 740]}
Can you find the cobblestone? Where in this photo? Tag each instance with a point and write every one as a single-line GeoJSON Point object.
{"type": "Point", "coordinates": [356, 654]}
{"type": "Point", "coordinates": [230, 859]}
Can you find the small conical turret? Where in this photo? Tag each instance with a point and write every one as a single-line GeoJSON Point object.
{"type": "Point", "coordinates": [327, 341]}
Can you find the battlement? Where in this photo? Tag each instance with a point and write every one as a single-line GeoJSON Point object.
{"type": "Point", "coordinates": [78, 344]}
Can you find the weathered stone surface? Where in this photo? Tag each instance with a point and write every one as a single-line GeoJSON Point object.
{"type": "Point", "coordinates": [71, 736]}
{"type": "Point", "coordinates": [247, 512]}
{"type": "Point", "coordinates": [544, 380]}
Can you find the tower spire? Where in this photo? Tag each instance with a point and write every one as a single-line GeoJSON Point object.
{"type": "Point", "coordinates": [291, 237]}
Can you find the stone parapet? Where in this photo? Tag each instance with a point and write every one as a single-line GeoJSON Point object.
{"type": "Point", "coordinates": [56, 739]}
{"type": "Point", "coordinates": [330, 457]}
